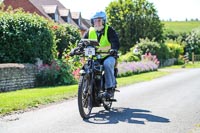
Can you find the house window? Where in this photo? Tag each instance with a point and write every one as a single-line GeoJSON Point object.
{"type": "Point", "coordinates": [52, 16]}
{"type": "Point", "coordinates": [66, 19]}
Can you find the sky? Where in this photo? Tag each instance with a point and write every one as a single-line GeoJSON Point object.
{"type": "Point", "coordinates": [176, 10]}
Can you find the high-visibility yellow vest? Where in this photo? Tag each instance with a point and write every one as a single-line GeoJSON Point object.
{"type": "Point", "coordinates": [104, 43]}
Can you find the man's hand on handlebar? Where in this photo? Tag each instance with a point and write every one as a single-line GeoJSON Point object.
{"type": "Point", "coordinates": [113, 52]}
{"type": "Point", "coordinates": [74, 51]}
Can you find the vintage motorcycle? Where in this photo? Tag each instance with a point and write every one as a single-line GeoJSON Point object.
{"type": "Point", "coordinates": [91, 82]}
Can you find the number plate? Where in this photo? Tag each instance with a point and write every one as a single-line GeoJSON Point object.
{"type": "Point", "coordinates": [89, 51]}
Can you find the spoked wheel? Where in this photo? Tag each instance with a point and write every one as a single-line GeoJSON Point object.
{"type": "Point", "coordinates": [84, 98]}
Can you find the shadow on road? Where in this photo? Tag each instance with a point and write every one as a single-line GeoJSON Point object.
{"type": "Point", "coordinates": [128, 115]}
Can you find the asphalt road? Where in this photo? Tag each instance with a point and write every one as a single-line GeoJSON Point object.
{"type": "Point", "coordinates": [168, 104]}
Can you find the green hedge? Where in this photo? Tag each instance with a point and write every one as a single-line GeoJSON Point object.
{"type": "Point", "coordinates": [25, 37]}
{"type": "Point", "coordinates": [163, 51]}
{"type": "Point", "coordinates": [66, 35]}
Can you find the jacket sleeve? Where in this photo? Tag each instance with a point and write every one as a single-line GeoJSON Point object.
{"type": "Point", "coordinates": [113, 38]}
{"type": "Point", "coordinates": [86, 35]}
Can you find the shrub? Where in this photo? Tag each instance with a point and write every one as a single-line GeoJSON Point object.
{"type": "Point", "coordinates": [130, 68]}
{"type": "Point", "coordinates": [76, 64]}
{"type": "Point", "coordinates": [57, 73]}
{"type": "Point", "coordinates": [193, 41]}
{"type": "Point", "coordinates": [147, 45]}
{"type": "Point", "coordinates": [163, 53]}
{"type": "Point", "coordinates": [128, 57]}
{"type": "Point", "coordinates": [150, 57]}
{"type": "Point", "coordinates": [25, 37]}
{"type": "Point", "coordinates": [175, 49]}
{"type": "Point", "coordinates": [180, 60]}
{"type": "Point", "coordinates": [148, 63]}
{"type": "Point", "coordinates": [66, 35]}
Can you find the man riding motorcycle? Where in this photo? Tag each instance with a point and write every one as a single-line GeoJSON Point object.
{"type": "Point", "coordinates": [109, 41]}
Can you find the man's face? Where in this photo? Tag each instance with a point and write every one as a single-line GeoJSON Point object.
{"type": "Point", "coordinates": [98, 24]}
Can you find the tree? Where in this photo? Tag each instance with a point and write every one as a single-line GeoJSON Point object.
{"type": "Point", "coordinates": [134, 19]}
{"type": "Point", "coordinates": [193, 41]}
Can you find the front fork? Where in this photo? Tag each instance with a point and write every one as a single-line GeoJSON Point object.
{"type": "Point", "coordinates": [89, 80]}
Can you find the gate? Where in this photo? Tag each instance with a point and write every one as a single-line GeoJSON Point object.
{"type": "Point", "coordinates": [195, 58]}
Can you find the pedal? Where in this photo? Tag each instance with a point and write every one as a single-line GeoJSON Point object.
{"type": "Point", "coordinates": [117, 90]}
{"type": "Point", "coordinates": [111, 100]}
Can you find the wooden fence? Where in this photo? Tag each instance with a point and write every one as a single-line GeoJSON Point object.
{"type": "Point", "coordinates": [195, 58]}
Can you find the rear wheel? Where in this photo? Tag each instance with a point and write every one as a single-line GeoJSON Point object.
{"type": "Point", "coordinates": [84, 98]}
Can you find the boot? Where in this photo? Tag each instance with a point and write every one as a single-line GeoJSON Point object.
{"type": "Point", "coordinates": [108, 93]}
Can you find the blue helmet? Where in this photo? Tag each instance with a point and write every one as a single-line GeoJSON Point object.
{"type": "Point", "coordinates": [99, 14]}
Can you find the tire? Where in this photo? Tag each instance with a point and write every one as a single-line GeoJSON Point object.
{"type": "Point", "coordinates": [84, 98]}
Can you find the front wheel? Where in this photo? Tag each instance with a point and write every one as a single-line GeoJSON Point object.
{"type": "Point", "coordinates": [84, 98]}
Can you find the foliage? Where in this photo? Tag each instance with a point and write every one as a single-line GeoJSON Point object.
{"type": "Point", "coordinates": [148, 46]}
{"type": "Point", "coordinates": [25, 37]}
{"type": "Point", "coordinates": [77, 63]}
{"type": "Point", "coordinates": [175, 49]}
{"type": "Point", "coordinates": [180, 60]}
{"type": "Point", "coordinates": [120, 16]}
{"type": "Point", "coordinates": [150, 57]}
{"type": "Point", "coordinates": [180, 30]}
{"type": "Point", "coordinates": [163, 53]}
{"type": "Point", "coordinates": [134, 19]}
{"type": "Point", "coordinates": [148, 63]}
{"type": "Point", "coordinates": [178, 37]}
{"type": "Point", "coordinates": [128, 57]}
{"type": "Point", "coordinates": [57, 73]}
{"type": "Point", "coordinates": [193, 41]}
{"type": "Point", "coordinates": [66, 35]}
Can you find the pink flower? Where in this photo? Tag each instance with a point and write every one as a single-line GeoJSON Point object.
{"type": "Point", "coordinates": [55, 27]}
{"type": "Point", "coordinates": [76, 73]}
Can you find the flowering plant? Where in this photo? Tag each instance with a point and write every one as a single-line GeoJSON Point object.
{"type": "Point", "coordinates": [150, 57]}
{"type": "Point", "coordinates": [56, 73]}
{"type": "Point", "coordinates": [77, 68]}
{"type": "Point", "coordinates": [130, 68]}
{"type": "Point", "coordinates": [149, 62]}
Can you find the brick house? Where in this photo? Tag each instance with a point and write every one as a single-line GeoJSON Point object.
{"type": "Point", "coordinates": [76, 16]}
{"type": "Point", "coordinates": [51, 9]}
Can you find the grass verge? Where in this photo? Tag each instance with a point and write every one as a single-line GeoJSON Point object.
{"type": "Point", "coordinates": [188, 65]}
{"type": "Point", "coordinates": [33, 98]}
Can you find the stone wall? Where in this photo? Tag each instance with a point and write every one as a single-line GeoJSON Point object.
{"type": "Point", "coordinates": [17, 76]}
{"type": "Point", "coordinates": [168, 62]}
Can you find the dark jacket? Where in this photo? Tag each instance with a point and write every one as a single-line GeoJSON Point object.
{"type": "Point", "coordinates": [112, 37]}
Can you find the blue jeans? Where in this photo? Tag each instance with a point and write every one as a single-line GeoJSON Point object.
{"type": "Point", "coordinates": [109, 65]}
